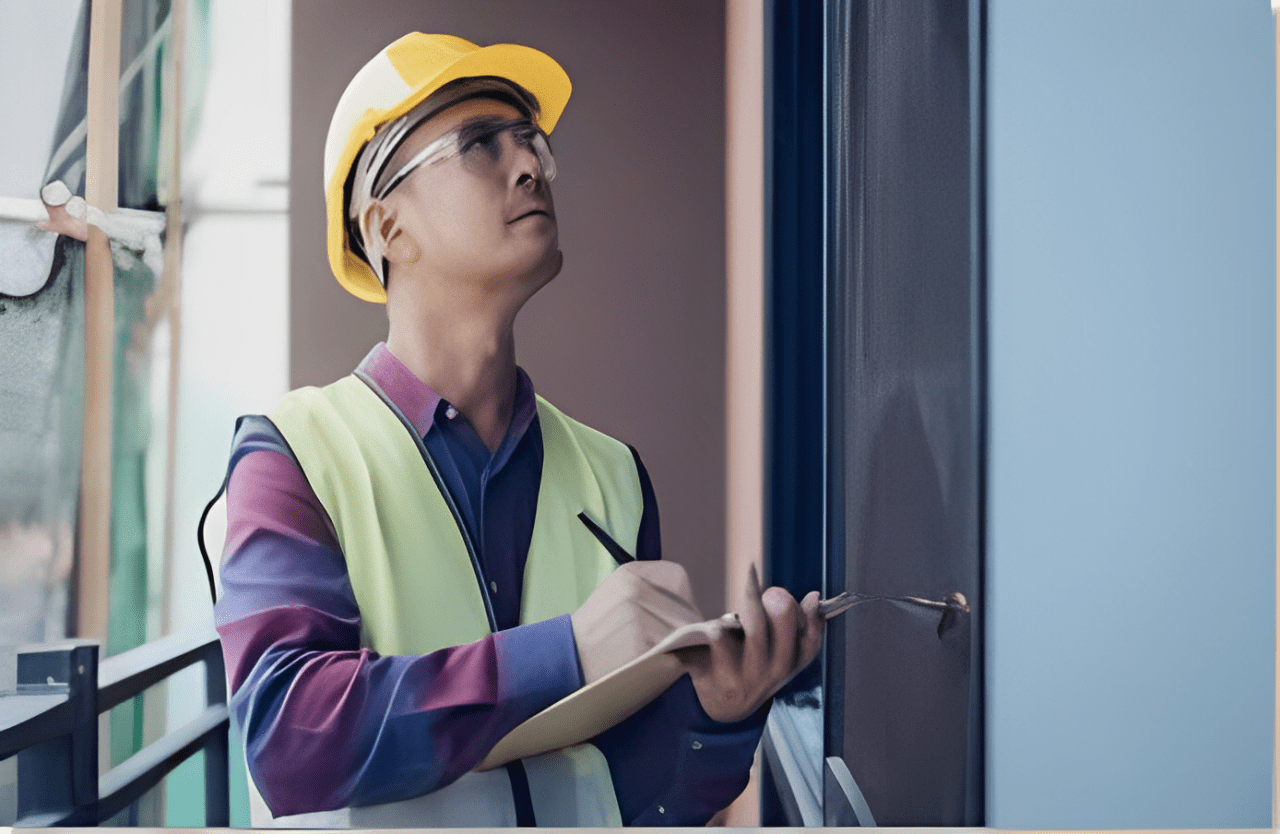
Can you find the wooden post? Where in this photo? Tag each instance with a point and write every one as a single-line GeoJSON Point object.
{"type": "Point", "coordinates": [101, 166]}
{"type": "Point", "coordinates": [172, 287]}
{"type": "Point", "coordinates": [168, 302]}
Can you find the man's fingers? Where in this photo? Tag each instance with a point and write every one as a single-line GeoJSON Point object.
{"type": "Point", "coordinates": [755, 628]}
{"type": "Point", "coordinates": [810, 641]}
{"type": "Point", "coordinates": [717, 675]}
{"type": "Point", "coordinates": [740, 669]}
{"type": "Point", "coordinates": [634, 608]}
{"type": "Point", "coordinates": [784, 622]}
{"type": "Point", "coordinates": [676, 606]}
{"type": "Point", "coordinates": [663, 587]}
{"type": "Point", "coordinates": [669, 575]}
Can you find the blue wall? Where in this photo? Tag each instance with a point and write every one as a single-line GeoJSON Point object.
{"type": "Point", "coordinates": [1131, 559]}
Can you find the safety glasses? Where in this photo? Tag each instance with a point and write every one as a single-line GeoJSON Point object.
{"type": "Point", "coordinates": [480, 144]}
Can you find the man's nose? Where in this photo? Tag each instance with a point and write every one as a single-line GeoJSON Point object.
{"type": "Point", "coordinates": [526, 167]}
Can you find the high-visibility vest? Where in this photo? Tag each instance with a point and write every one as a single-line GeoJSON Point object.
{"type": "Point", "coordinates": [417, 580]}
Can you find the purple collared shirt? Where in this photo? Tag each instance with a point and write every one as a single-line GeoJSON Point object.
{"type": "Point", "coordinates": [329, 724]}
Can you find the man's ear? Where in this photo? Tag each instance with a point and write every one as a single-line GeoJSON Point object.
{"type": "Point", "coordinates": [380, 224]}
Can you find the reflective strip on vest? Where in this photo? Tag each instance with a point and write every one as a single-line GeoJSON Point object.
{"type": "Point", "coordinates": [417, 591]}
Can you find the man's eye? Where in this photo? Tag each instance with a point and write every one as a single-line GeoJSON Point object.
{"type": "Point", "coordinates": [487, 142]}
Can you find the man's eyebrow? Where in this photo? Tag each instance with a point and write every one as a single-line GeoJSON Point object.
{"type": "Point", "coordinates": [493, 118]}
{"type": "Point", "coordinates": [487, 121]}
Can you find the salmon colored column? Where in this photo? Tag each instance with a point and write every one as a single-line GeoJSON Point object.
{"type": "Point", "coordinates": [744, 273]}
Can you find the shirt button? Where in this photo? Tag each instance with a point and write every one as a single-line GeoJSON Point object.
{"type": "Point", "coordinates": [493, 586]}
{"type": "Point", "coordinates": [661, 810]}
{"type": "Point", "coordinates": [697, 745]}
{"type": "Point", "coordinates": [451, 412]}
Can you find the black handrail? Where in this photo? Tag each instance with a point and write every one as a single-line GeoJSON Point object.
{"type": "Point", "coordinates": [51, 725]}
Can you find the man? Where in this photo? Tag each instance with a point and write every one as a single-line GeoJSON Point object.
{"type": "Point", "coordinates": [424, 554]}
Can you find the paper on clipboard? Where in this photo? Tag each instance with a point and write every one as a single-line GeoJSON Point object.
{"type": "Point", "coordinates": [596, 707]}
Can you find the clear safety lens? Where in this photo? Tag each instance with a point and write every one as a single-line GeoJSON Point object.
{"type": "Point", "coordinates": [479, 143]}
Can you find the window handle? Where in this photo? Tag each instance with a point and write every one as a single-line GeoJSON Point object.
{"type": "Point", "coordinates": [951, 606]}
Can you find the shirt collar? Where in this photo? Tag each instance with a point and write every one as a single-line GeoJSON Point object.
{"type": "Point", "coordinates": [422, 405]}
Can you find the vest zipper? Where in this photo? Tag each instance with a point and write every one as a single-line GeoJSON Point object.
{"type": "Point", "coordinates": [444, 491]}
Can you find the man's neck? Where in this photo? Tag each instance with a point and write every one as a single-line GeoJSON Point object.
{"type": "Point", "coordinates": [471, 365]}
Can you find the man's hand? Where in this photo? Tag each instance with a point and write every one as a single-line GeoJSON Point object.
{"type": "Point", "coordinates": [630, 612]}
{"type": "Point", "coordinates": [737, 673]}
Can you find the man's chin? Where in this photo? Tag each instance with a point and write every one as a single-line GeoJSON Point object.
{"type": "Point", "coordinates": [559, 264]}
{"type": "Point", "coordinates": [549, 269]}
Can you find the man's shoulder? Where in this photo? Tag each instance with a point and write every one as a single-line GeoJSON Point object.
{"type": "Point", "coordinates": [263, 432]}
{"type": "Point", "coordinates": [257, 433]}
{"type": "Point", "coordinates": [313, 397]}
{"type": "Point", "coordinates": [337, 412]}
{"type": "Point", "coordinates": [550, 415]}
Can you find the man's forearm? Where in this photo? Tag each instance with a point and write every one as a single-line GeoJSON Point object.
{"type": "Point", "coordinates": [326, 729]}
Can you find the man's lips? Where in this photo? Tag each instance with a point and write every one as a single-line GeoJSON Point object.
{"type": "Point", "coordinates": [531, 213]}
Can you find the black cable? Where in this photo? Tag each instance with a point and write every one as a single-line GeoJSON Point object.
{"type": "Point", "coordinates": [204, 554]}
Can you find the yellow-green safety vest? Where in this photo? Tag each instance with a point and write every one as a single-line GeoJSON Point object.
{"type": "Point", "coordinates": [418, 588]}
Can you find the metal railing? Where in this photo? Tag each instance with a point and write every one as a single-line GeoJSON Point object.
{"type": "Point", "coordinates": [51, 724]}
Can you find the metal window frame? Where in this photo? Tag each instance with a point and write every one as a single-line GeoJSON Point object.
{"type": "Point", "coordinates": [812, 247]}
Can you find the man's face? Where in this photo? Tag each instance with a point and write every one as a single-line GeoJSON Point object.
{"type": "Point", "coordinates": [483, 216]}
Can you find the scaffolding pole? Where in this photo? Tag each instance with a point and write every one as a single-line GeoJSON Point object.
{"type": "Point", "coordinates": [101, 170]}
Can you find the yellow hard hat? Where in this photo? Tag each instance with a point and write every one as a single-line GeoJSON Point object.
{"type": "Point", "coordinates": [395, 81]}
